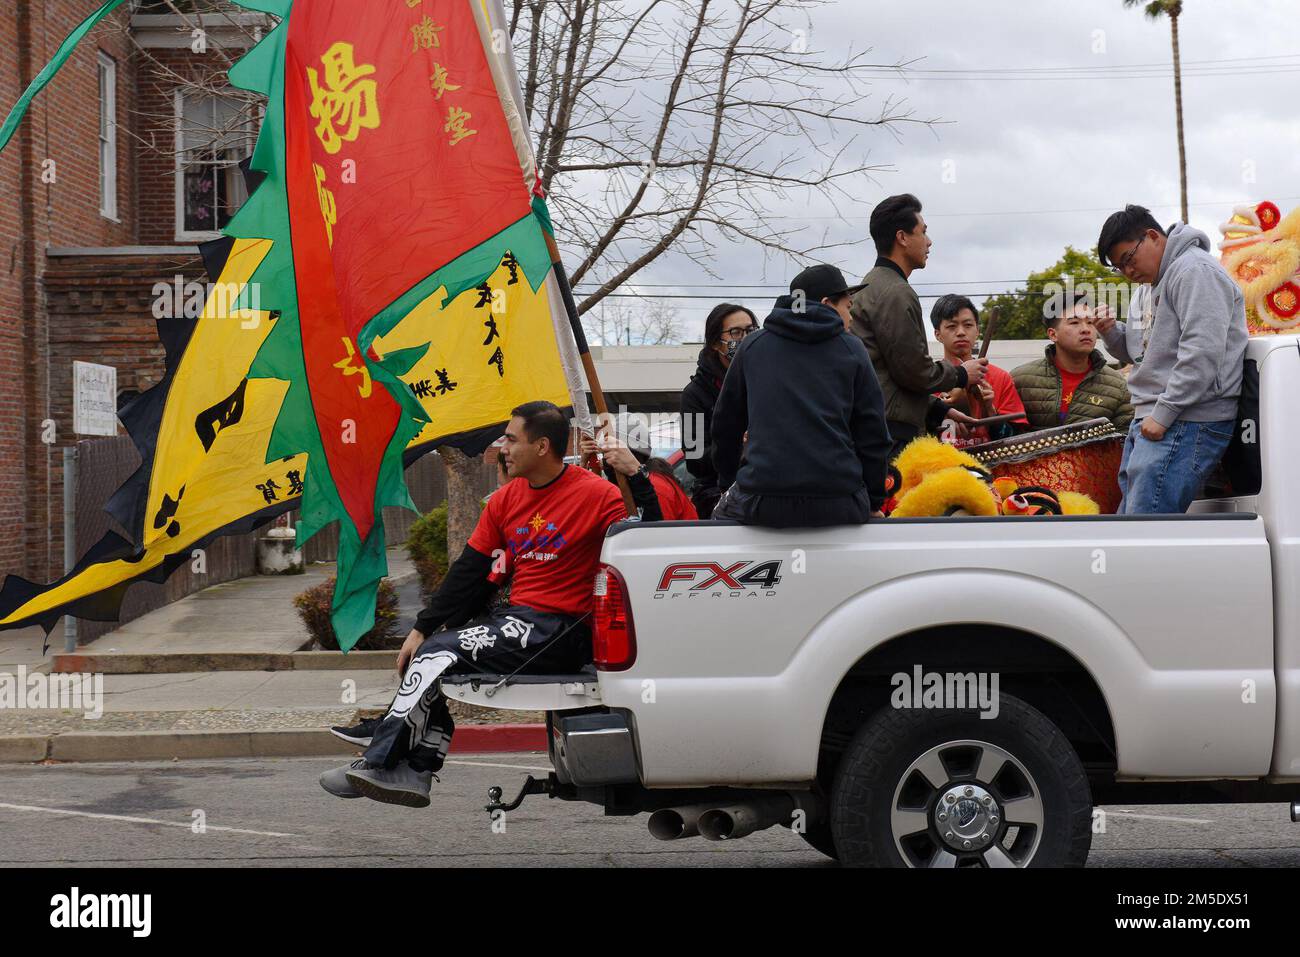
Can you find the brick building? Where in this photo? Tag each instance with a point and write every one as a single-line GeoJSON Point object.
{"type": "Point", "coordinates": [123, 164]}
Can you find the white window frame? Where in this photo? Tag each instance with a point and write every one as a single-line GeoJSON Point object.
{"type": "Point", "coordinates": [183, 235]}
{"type": "Point", "coordinates": [107, 138]}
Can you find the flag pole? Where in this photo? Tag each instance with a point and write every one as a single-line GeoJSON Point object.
{"type": "Point", "coordinates": [584, 353]}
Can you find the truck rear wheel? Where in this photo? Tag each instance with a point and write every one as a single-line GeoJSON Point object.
{"type": "Point", "coordinates": [947, 788]}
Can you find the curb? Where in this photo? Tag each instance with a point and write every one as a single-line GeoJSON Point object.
{"type": "Point", "coordinates": [277, 743]}
{"type": "Point", "coordinates": [115, 663]}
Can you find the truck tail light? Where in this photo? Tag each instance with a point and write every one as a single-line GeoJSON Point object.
{"type": "Point", "coordinates": [613, 638]}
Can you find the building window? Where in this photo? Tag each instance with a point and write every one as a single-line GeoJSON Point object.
{"type": "Point", "coordinates": [213, 135]}
{"type": "Point", "coordinates": [107, 137]}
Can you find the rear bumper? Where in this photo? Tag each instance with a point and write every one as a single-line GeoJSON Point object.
{"type": "Point", "coordinates": [594, 749]}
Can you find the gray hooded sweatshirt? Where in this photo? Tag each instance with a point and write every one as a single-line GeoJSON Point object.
{"type": "Point", "coordinates": [1191, 367]}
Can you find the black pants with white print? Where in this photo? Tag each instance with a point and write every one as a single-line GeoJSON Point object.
{"type": "Point", "coordinates": [418, 726]}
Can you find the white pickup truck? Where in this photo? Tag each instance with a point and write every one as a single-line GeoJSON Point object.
{"type": "Point", "coordinates": [944, 692]}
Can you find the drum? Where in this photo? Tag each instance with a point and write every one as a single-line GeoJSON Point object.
{"type": "Point", "coordinates": [1083, 457]}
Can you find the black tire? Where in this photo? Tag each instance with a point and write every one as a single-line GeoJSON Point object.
{"type": "Point", "coordinates": [881, 762]}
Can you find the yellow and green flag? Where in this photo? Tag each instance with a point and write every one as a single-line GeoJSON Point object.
{"type": "Point", "coordinates": [386, 289]}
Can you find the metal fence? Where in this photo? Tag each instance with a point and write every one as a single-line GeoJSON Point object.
{"type": "Point", "coordinates": [104, 464]}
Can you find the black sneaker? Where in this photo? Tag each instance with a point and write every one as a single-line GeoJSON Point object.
{"type": "Point", "coordinates": [359, 734]}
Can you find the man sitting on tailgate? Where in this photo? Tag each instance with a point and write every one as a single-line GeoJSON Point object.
{"type": "Point", "coordinates": [547, 524]}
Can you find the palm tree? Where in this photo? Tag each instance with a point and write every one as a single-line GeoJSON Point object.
{"type": "Point", "coordinates": [1172, 9]}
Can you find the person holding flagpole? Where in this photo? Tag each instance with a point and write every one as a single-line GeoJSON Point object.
{"type": "Point", "coordinates": [547, 524]}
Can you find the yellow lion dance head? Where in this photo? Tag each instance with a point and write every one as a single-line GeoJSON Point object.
{"type": "Point", "coordinates": [935, 479]}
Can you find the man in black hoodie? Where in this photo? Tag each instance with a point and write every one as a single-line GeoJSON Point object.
{"type": "Point", "coordinates": [805, 391]}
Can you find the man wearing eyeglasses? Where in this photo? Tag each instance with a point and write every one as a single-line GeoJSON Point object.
{"type": "Point", "coordinates": [1186, 379]}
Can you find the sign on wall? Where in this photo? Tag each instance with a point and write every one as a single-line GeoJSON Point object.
{"type": "Point", "coordinates": [94, 399]}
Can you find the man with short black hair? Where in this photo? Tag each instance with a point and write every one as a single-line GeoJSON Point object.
{"type": "Point", "coordinates": [956, 326]}
{"type": "Point", "coordinates": [1072, 383]}
{"type": "Point", "coordinates": [804, 391]}
{"type": "Point", "coordinates": [886, 316]}
{"type": "Point", "coordinates": [546, 526]}
{"type": "Point", "coordinates": [1186, 380]}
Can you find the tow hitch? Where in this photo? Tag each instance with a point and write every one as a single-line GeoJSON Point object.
{"type": "Point", "coordinates": [532, 785]}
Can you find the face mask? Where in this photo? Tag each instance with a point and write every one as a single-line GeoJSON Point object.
{"type": "Point", "coordinates": [732, 346]}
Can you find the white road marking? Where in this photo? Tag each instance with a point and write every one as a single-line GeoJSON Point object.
{"type": "Point", "coordinates": [486, 764]}
{"type": "Point", "coordinates": [1160, 817]}
{"type": "Point", "coordinates": [142, 820]}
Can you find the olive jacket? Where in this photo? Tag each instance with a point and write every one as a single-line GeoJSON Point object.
{"type": "Point", "coordinates": [1103, 393]}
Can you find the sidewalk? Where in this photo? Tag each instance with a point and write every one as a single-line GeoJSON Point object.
{"type": "Point", "coordinates": [23, 647]}
{"type": "Point", "coordinates": [249, 616]}
{"type": "Point", "coordinates": [224, 672]}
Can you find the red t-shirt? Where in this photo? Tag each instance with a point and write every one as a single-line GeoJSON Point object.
{"type": "Point", "coordinates": [1069, 382]}
{"type": "Point", "coordinates": [552, 537]}
{"type": "Point", "coordinates": [1005, 397]}
{"type": "Point", "coordinates": [672, 500]}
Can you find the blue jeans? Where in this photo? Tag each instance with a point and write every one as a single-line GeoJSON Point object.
{"type": "Point", "coordinates": [1164, 478]}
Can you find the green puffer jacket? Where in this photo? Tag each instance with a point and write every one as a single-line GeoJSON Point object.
{"type": "Point", "coordinates": [1103, 393]}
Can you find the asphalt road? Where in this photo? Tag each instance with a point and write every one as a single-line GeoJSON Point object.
{"type": "Point", "coordinates": [273, 813]}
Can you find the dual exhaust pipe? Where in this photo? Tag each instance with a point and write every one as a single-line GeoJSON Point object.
{"type": "Point", "coordinates": [730, 822]}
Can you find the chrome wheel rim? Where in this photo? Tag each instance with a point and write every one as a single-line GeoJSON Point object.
{"type": "Point", "coordinates": [967, 803]}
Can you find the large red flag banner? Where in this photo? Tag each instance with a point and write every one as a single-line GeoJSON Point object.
{"type": "Point", "coordinates": [392, 293]}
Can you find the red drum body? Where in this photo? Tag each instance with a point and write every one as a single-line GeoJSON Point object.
{"type": "Point", "coordinates": [1083, 457]}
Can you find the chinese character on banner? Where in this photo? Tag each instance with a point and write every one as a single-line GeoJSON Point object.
{"type": "Point", "coordinates": [425, 35]}
{"type": "Point", "coordinates": [484, 295]}
{"type": "Point", "coordinates": [422, 389]}
{"type": "Point", "coordinates": [439, 81]}
{"type": "Point", "coordinates": [445, 384]}
{"type": "Point", "coordinates": [295, 482]}
{"type": "Point", "coordinates": [512, 264]}
{"type": "Point", "coordinates": [268, 491]}
{"type": "Point", "coordinates": [347, 103]}
{"type": "Point", "coordinates": [348, 369]}
{"type": "Point", "coordinates": [456, 119]}
{"type": "Point", "coordinates": [491, 326]}
{"type": "Point", "coordinates": [329, 209]}
{"type": "Point", "coordinates": [499, 360]}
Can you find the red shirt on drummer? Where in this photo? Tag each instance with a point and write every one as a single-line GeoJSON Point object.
{"type": "Point", "coordinates": [956, 327]}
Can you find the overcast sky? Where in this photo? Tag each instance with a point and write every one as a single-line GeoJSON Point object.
{"type": "Point", "coordinates": [1037, 164]}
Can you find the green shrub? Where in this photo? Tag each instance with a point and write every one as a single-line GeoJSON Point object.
{"type": "Point", "coordinates": [314, 609]}
{"type": "Point", "coordinates": [426, 544]}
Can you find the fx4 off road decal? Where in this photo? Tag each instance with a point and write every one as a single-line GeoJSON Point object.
{"type": "Point", "coordinates": [732, 580]}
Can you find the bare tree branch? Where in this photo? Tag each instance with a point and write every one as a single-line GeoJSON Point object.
{"type": "Point", "coordinates": [669, 125]}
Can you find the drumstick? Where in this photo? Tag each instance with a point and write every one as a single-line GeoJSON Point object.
{"type": "Point", "coordinates": [996, 419]}
{"type": "Point", "coordinates": [973, 391]}
{"type": "Point", "coordinates": [988, 333]}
